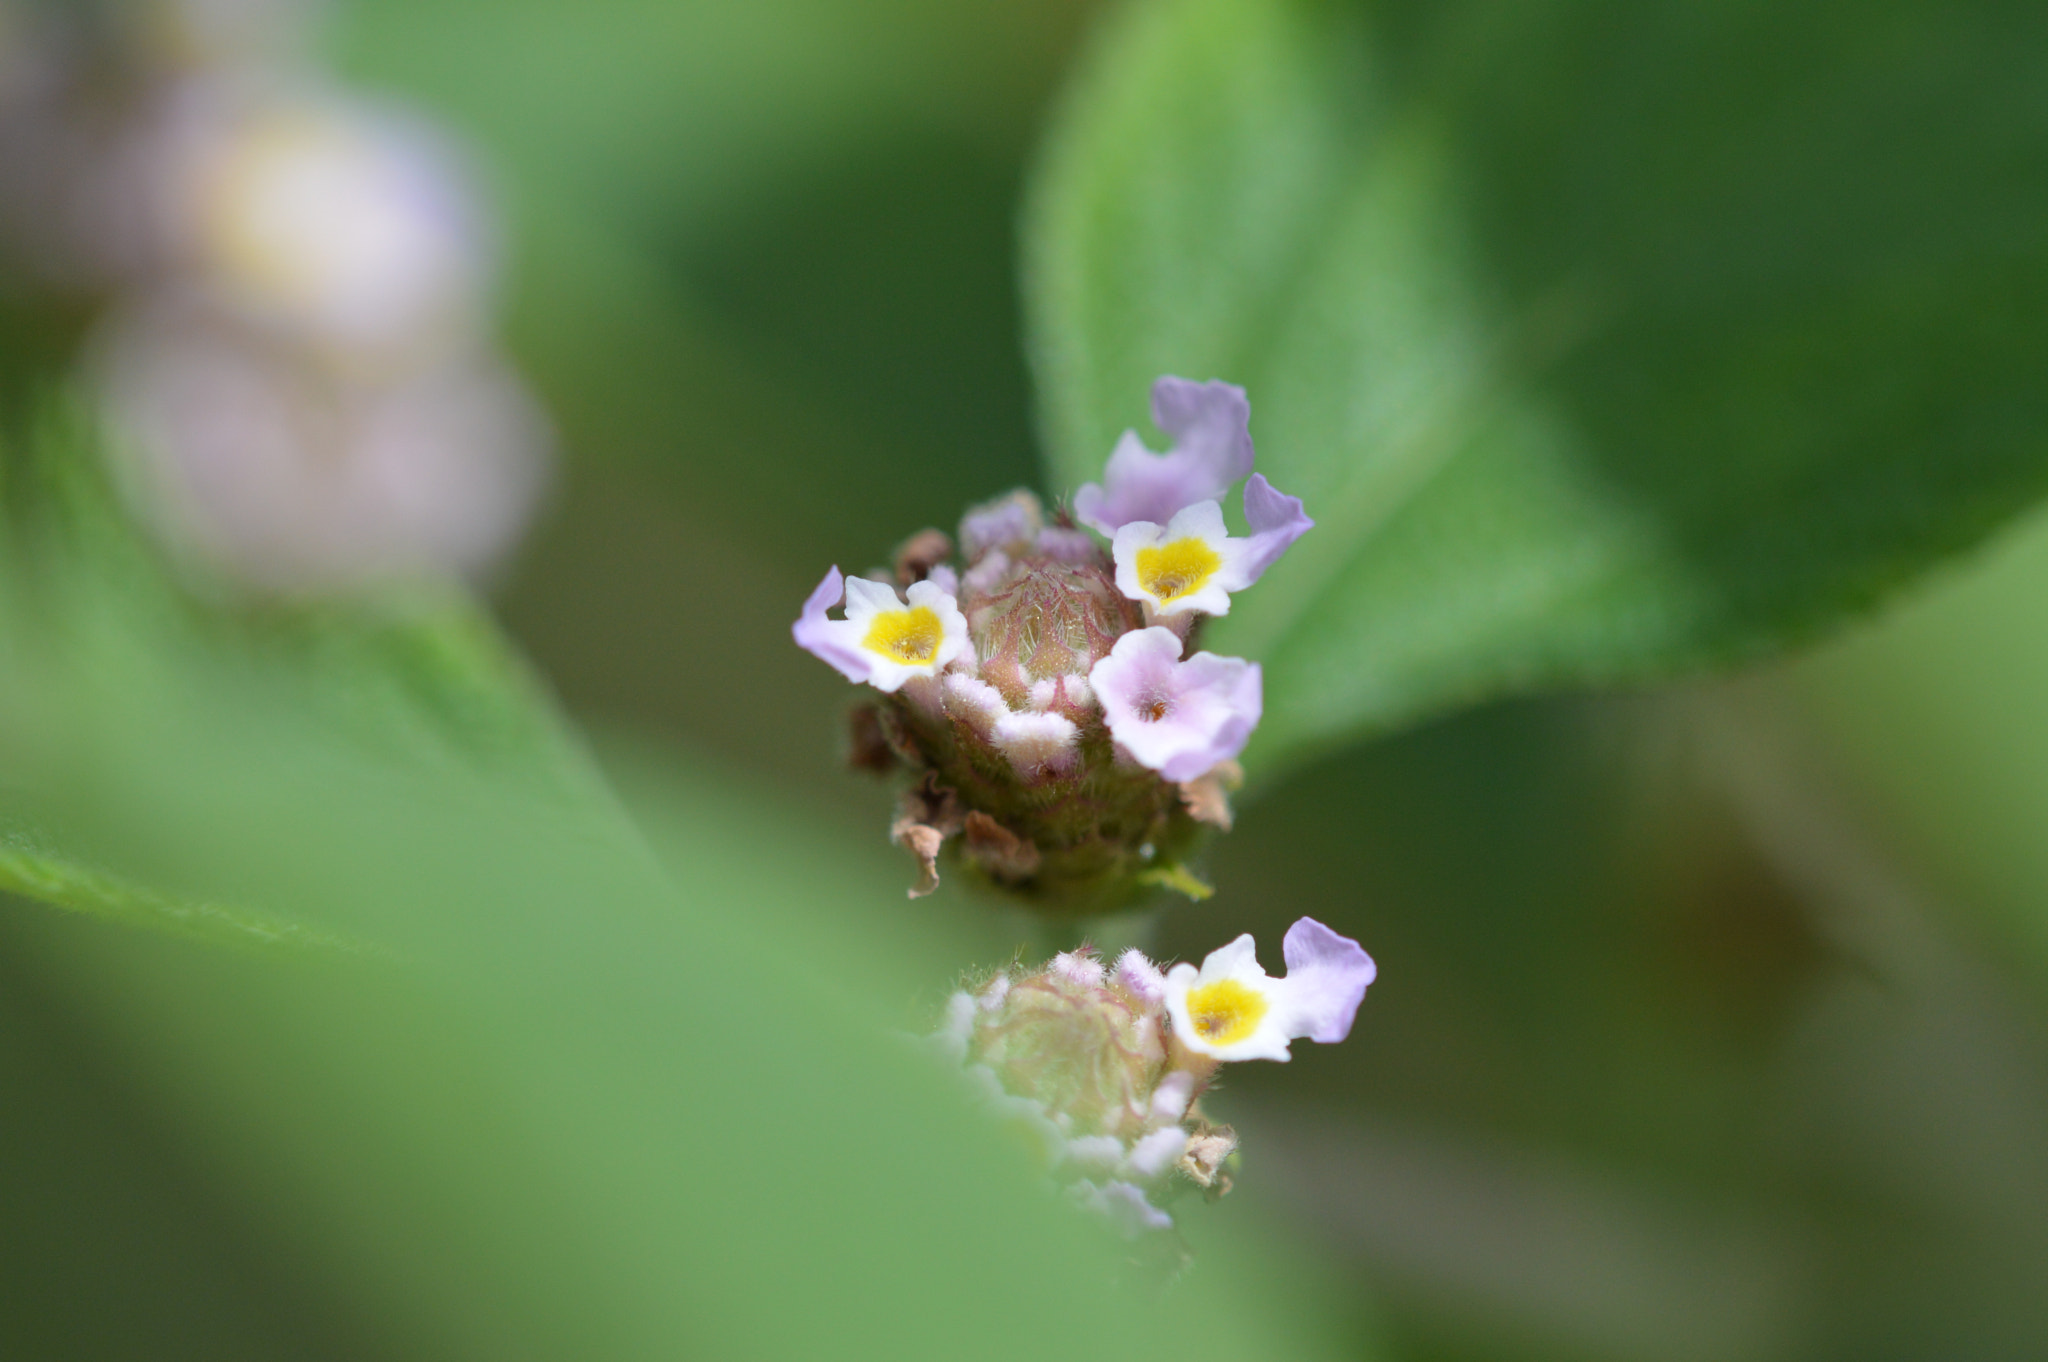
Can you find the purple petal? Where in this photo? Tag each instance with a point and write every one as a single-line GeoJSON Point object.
{"type": "Point", "coordinates": [814, 634]}
{"type": "Point", "coordinates": [1210, 422]}
{"type": "Point", "coordinates": [1212, 448]}
{"type": "Point", "coordinates": [1276, 521]}
{"type": "Point", "coordinates": [1178, 718]}
{"type": "Point", "coordinates": [1327, 975]}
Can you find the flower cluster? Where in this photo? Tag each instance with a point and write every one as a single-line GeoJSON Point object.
{"type": "Point", "coordinates": [1103, 1067]}
{"type": "Point", "coordinates": [1046, 694]}
{"type": "Point", "coordinates": [294, 283]}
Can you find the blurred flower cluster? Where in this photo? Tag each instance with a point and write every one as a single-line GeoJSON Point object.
{"type": "Point", "coordinates": [1103, 1067]}
{"type": "Point", "coordinates": [1046, 695]}
{"type": "Point", "coordinates": [291, 286]}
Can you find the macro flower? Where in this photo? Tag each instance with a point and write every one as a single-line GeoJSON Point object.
{"type": "Point", "coordinates": [1067, 753]}
{"type": "Point", "coordinates": [882, 640]}
{"type": "Point", "coordinates": [1231, 1009]}
{"type": "Point", "coordinates": [1179, 718]}
{"type": "Point", "coordinates": [1212, 448]}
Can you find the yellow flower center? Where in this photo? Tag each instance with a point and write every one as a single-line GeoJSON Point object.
{"type": "Point", "coordinates": [910, 636]}
{"type": "Point", "coordinates": [1225, 1012]}
{"type": "Point", "coordinates": [1172, 571]}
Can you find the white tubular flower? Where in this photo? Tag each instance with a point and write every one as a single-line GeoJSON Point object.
{"type": "Point", "coordinates": [1192, 563]}
{"type": "Point", "coordinates": [882, 641]}
{"type": "Point", "coordinates": [1178, 718]}
{"type": "Point", "coordinates": [1230, 1009]}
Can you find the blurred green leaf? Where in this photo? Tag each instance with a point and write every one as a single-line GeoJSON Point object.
{"type": "Point", "coordinates": [33, 869]}
{"type": "Point", "coordinates": [91, 608]}
{"type": "Point", "coordinates": [586, 1101]}
{"type": "Point", "coordinates": [1602, 340]}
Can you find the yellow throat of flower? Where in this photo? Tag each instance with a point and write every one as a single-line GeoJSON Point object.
{"type": "Point", "coordinates": [908, 636]}
{"type": "Point", "coordinates": [1225, 1012]}
{"type": "Point", "coordinates": [1174, 570]}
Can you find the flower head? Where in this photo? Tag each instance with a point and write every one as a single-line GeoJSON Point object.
{"type": "Point", "coordinates": [1177, 718]}
{"type": "Point", "coordinates": [1067, 752]}
{"type": "Point", "coordinates": [1230, 1009]}
{"type": "Point", "coordinates": [882, 641]}
{"type": "Point", "coordinates": [1212, 448]}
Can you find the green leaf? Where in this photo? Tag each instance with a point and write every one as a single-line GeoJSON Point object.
{"type": "Point", "coordinates": [1602, 340]}
{"type": "Point", "coordinates": [32, 868]}
{"type": "Point", "coordinates": [92, 611]}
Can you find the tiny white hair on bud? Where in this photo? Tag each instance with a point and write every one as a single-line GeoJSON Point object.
{"type": "Point", "coordinates": [977, 702]}
{"type": "Point", "coordinates": [1038, 744]}
{"type": "Point", "coordinates": [1140, 978]}
{"type": "Point", "coordinates": [1080, 694]}
{"type": "Point", "coordinates": [1043, 693]}
{"type": "Point", "coordinates": [995, 994]}
{"type": "Point", "coordinates": [1097, 1153]}
{"type": "Point", "coordinates": [1079, 969]}
{"type": "Point", "coordinates": [1155, 1153]}
{"type": "Point", "coordinates": [1170, 1099]}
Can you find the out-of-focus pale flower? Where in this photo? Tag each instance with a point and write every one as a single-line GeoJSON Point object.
{"type": "Point", "coordinates": [1108, 1066]}
{"type": "Point", "coordinates": [1179, 718]}
{"type": "Point", "coordinates": [294, 477]}
{"type": "Point", "coordinates": [1230, 1009]}
{"type": "Point", "coordinates": [882, 640]}
{"type": "Point", "coordinates": [327, 219]}
{"type": "Point", "coordinates": [188, 34]}
{"type": "Point", "coordinates": [1212, 448]}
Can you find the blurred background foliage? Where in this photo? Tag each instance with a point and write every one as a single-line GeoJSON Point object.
{"type": "Point", "coordinates": [1712, 1020]}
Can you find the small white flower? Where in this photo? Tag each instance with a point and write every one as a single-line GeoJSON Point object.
{"type": "Point", "coordinates": [882, 641]}
{"type": "Point", "coordinates": [1231, 1009]}
{"type": "Point", "coordinates": [1178, 718]}
{"type": "Point", "coordinates": [1192, 563]}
